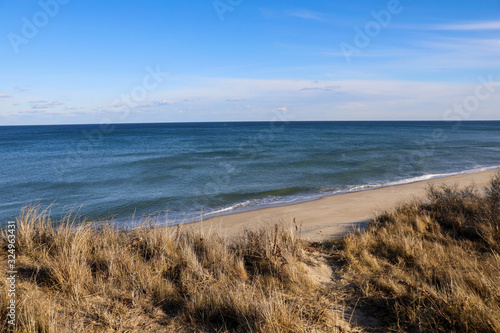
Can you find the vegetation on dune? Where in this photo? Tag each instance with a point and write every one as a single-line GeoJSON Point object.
{"type": "Point", "coordinates": [431, 265]}
{"type": "Point", "coordinates": [90, 279]}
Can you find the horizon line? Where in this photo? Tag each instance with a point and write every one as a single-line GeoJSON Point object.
{"type": "Point", "coordinates": [252, 121]}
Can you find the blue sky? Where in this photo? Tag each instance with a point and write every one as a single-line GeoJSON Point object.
{"type": "Point", "coordinates": [74, 61]}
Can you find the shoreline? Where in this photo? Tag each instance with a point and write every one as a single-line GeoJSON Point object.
{"type": "Point", "coordinates": [335, 215]}
{"type": "Point", "coordinates": [242, 208]}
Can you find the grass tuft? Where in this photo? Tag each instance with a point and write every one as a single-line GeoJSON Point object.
{"type": "Point", "coordinates": [431, 265]}
{"type": "Point", "coordinates": [434, 264]}
{"type": "Point", "coordinates": [96, 278]}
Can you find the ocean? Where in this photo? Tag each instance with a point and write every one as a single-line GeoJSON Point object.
{"type": "Point", "coordinates": [182, 171]}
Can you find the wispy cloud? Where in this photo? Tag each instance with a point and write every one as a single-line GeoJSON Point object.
{"type": "Point", "coordinates": [51, 114]}
{"type": "Point", "coordinates": [484, 47]}
{"type": "Point", "coordinates": [307, 15]}
{"type": "Point", "coordinates": [467, 26]}
{"type": "Point", "coordinates": [360, 100]}
{"type": "Point", "coordinates": [46, 105]}
{"type": "Point", "coordinates": [5, 96]}
{"type": "Point", "coordinates": [234, 99]}
{"type": "Point", "coordinates": [31, 112]}
{"type": "Point", "coordinates": [436, 52]}
{"type": "Point", "coordinates": [20, 89]}
{"type": "Point", "coordinates": [38, 114]}
{"type": "Point", "coordinates": [298, 13]}
{"type": "Point", "coordinates": [158, 103]}
{"type": "Point", "coordinates": [325, 88]}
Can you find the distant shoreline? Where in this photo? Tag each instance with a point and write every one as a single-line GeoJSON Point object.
{"type": "Point", "coordinates": [241, 208]}
{"type": "Point", "coordinates": [335, 215]}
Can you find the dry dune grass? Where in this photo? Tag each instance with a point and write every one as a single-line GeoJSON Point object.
{"type": "Point", "coordinates": [430, 266]}
{"type": "Point", "coordinates": [433, 265]}
{"type": "Point", "coordinates": [87, 278]}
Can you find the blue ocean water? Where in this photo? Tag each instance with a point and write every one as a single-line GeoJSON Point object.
{"type": "Point", "coordinates": [188, 169]}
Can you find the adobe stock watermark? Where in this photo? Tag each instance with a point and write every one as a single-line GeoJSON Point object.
{"type": "Point", "coordinates": [11, 271]}
{"type": "Point", "coordinates": [372, 29]}
{"type": "Point", "coordinates": [223, 6]}
{"type": "Point", "coordinates": [471, 103]}
{"type": "Point", "coordinates": [126, 102]}
{"type": "Point", "coordinates": [31, 26]}
{"type": "Point", "coordinates": [138, 94]}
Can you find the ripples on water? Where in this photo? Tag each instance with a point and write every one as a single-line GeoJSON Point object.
{"type": "Point", "coordinates": [184, 169]}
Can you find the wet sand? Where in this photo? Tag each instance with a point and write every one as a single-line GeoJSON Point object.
{"type": "Point", "coordinates": [334, 216]}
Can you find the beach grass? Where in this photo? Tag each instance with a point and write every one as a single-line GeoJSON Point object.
{"type": "Point", "coordinates": [431, 265]}
{"type": "Point", "coordinates": [86, 278]}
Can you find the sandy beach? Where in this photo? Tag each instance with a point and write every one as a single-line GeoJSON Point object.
{"type": "Point", "coordinates": [334, 216]}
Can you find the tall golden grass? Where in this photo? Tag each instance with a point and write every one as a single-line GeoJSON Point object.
{"type": "Point", "coordinates": [432, 265]}
{"type": "Point", "coordinates": [91, 278]}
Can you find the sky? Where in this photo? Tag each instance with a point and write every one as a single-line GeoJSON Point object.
{"type": "Point", "coordinates": [129, 61]}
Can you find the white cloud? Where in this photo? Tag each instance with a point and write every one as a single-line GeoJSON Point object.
{"type": "Point", "coordinates": [467, 26]}
{"type": "Point", "coordinates": [5, 96]}
{"type": "Point", "coordinates": [435, 53]}
{"type": "Point", "coordinates": [453, 53]}
{"type": "Point", "coordinates": [158, 103]}
{"type": "Point", "coordinates": [465, 45]}
{"type": "Point", "coordinates": [46, 105]}
{"type": "Point", "coordinates": [325, 88]}
{"type": "Point", "coordinates": [360, 100]}
{"type": "Point", "coordinates": [164, 102]}
{"type": "Point", "coordinates": [307, 15]}
{"type": "Point", "coordinates": [31, 112]}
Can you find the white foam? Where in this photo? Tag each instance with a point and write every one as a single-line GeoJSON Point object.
{"type": "Point", "coordinates": [436, 175]}
{"type": "Point", "coordinates": [238, 205]}
{"type": "Point", "coordinates": [329, 191]}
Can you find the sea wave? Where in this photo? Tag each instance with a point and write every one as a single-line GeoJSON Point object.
{"type": "Point", "coordinates": [436, 175]}
{"type": "Point", "coordinates": [283, 200]}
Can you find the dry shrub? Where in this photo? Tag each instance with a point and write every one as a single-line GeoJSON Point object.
{"type": "Point", "coordinates": [434, 264]}
{"type": "Point", "coordinates": [96, 278]}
